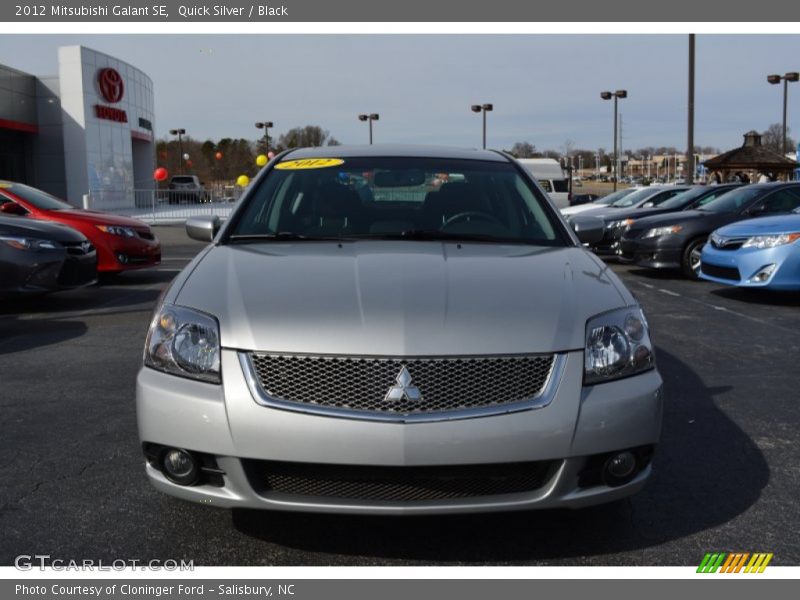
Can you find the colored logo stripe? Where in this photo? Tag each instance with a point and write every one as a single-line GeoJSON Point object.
{"type": "Point", "coordinates": [734, 562]}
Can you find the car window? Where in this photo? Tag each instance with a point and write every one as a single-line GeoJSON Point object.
{"type": "Point", "coordinates": [560, 186]}
{"type": "Point", "coordinates": [41, 200]}
{"type": "Point", "coordinates": [397, 198]}
{"type": "Point", "coordinates": [183, 179]}
{"type": "Point", "coordinates": [782, 201]}
{"type": "Point", "coordinates": [733, 200]}
{"type": "Point", "coordinates": [545, 183]}
{"type": "Point", "coordinates": [689, 197]}
{"type": "Point", "coordinates": [634, 198]}
{"type": "Point", "coordinates": [661, 198]}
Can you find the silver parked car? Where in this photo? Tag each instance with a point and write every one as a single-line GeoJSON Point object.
{"type": "Point", "coordinates": [397, 330]}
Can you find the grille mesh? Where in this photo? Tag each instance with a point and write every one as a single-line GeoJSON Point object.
{"type": "Point", "coordinates": [398, 484]}
{"type": "Point", "coordinates": [362, 384]}
{"type": "Point", "coordinates": [731, 273]}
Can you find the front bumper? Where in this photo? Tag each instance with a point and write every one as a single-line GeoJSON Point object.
{"type": "Point", "coordinates": [651, 253]}
{"type": "Point", "coordinates": [227, 423]}
{"type": "Point", "coordinates": [47, 271]}
{"type": "Point", "coordinates": [740, 266]}
{"type": "Point", "coordinates": [116, 253]}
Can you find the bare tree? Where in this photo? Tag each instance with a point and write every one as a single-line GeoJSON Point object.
{"type": "Point", "coordinates": [523, 150]}
{"type": "Point", "coordinates": [772, 138]}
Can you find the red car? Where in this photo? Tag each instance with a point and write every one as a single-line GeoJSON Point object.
{"type": "Point", "coordinates": [122, 243]}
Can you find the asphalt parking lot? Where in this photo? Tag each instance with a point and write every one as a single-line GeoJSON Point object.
{"type": "Point", "coordinates": [726, 473]}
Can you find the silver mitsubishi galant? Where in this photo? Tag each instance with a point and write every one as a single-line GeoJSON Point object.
{"type": "Point", "coordinates": [397, 330]}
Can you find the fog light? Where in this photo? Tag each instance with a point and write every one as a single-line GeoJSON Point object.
{"type": "Point", "coordinates": [619, 467]}
{"type": "Point", "coordinates": [122, 258]}
{"type": "Point", "coordinates": [180, 467]}
{"type": "Point", "coordinates": [763, 274]}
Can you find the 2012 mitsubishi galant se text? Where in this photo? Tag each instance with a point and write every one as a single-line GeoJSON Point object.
{"type": "Point", "coordinates": [397, 330]}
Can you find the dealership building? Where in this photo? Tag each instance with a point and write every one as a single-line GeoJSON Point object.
{"type": "Point", "coordinates": [87, 130]}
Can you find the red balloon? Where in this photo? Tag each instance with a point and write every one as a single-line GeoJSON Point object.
{"type": "Point", "coordinates": [163, 155]}
{"type": "Point", "coordinates": [218, 155]}
{"type": "Point", "coordinates": [160, 174]}
{"type": "Point", "coordinates": [189, 163]}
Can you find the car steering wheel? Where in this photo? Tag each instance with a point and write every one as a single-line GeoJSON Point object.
{"type": "Point", "coordinates": [472, 214]}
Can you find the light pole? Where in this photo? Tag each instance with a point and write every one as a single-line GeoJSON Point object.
{"type": "Point", "coordinates": [484, 108]}
{"type": "Point", "coordinates": [608, 96]}
{"type": "Point", "coordinates": [776, 79]}
{"type": "Point", "coordinates": [265, 125]}
{"type": "Point", "coordinates": [370, 117]}
{"type": "Point", "coordinates": [689, 165]}
{"type": "Point", "coordinates": [179, 133]}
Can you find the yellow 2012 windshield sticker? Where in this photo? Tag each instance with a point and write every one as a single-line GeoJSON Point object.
{"type": "Point", "coordinates": [309, 163]}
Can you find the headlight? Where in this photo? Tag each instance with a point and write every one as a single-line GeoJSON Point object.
{"type": "Point", "coordinates": [659, 231]}
{"type": "Point", "coordinates": [770, 241]}
{"type": "Point", "coordinates": [117, 230]}
{"type": "Point", "coordinates": [23, 243]}
{"type": "Point", "coordinates": [617, 345]}
{"type": "Point", "coordinates": [619, 224]}
{"type": "Point", "coordinates": [184, 342]}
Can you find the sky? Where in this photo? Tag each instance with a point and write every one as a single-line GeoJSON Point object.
{"type": "Point", "coordinates": [545, 88]}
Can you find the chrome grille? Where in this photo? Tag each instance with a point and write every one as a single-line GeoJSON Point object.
{"type": "Point", "coordinates": [361, 384]}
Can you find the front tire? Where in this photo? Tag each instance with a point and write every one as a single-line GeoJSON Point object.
{"type": "Point", "coordinates": [690, 260]}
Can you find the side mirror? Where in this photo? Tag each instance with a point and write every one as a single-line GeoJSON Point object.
{"type": "Point", "coordinates": [12, 208]}
{"type": "Point", "coordinates": [757, 211]}
{"type": "Point", "coordinates": [589, 230]}
{"type": "Point", "coordinates": [203, 229]}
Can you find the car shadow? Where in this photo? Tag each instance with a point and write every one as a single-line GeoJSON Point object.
{"type": "Point", "coordinates": [706, 472]}
{"type": "Point", "coordinates": [83, 300]}
{"type": "Point", "coordinates": [759, 296]}
{"type": "Point", "coordinates": [660, 274]}
{"type": "Point", "coordinates": [17, 335]}
{"type": "Point", "coordinates": [131, 278]}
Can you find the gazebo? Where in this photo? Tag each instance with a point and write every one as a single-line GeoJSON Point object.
{"type": "Point", "coordinates": [750, 161]}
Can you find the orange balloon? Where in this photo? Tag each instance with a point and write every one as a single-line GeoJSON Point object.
{"type": "Point", "coordinates": [218, 155]}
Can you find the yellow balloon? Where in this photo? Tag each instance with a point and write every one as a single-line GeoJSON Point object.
{"type": "Point", "coordinates": [242, 180]}
{"type": "Point", "coordinates": [261, 160]}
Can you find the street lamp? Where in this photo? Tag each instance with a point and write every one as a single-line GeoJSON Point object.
{"type": "Point", "coordinates": [371, 117]}
{"type": "Point", "coordinates": [776, 79]}
{"type": "Point", "coordinates": [484, 108]}
{"type": "Point", "coordinates": [179, 133]}
{"type": "Point", "coordinates": [608, 96]}
{"type": "Point", "coordinates": [265, 125]}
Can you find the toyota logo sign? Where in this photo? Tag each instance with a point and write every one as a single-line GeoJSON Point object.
{"type": "Point", "coordinates": [111, 85]}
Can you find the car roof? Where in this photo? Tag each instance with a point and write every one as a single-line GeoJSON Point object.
{"type": "Point", "coordinates": [396, 150]}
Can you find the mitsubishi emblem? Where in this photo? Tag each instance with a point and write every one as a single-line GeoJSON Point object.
{"type": "Point", "coordinates": [402, 389]}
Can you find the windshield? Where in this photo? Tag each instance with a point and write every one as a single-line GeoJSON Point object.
{"type": "Point", "coordinates": [635, 198]}
{"type": "Point", "coordinates": [396, 198]}
{"type": "Point", "coordinates": [613, 197]}
{"type": "Point", "coordinates": [685, 198]}
{"type": "Point", "coordinates": [733, 201]}
{"type": "Point", "coordinates": [40, 199]}
{"type": "Point", "coordinates": [183, 179]}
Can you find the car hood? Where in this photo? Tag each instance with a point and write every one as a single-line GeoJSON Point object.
{"type": "Point", "coordinates": [763, 226]}
{"type": "Point", "coordinates": [27, 227]}
{"type": "Point", "coordinates": [95, 217]}
{"type": "Point", "coordinates": [401, 298]}
{"type": "Point", "coordinates": [675, 218]}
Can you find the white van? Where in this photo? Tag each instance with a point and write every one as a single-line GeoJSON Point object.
{"type": "Point", "coordinates": [550, 176]}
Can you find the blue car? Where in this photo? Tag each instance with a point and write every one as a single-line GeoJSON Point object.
{"type": "Point", "coordinates": [756, 253]}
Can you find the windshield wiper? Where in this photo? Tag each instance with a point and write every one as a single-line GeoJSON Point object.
{"type": "Point", "coordinates": [281, 236]}
{"type": "Point", "coordinates": [437, 235]}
